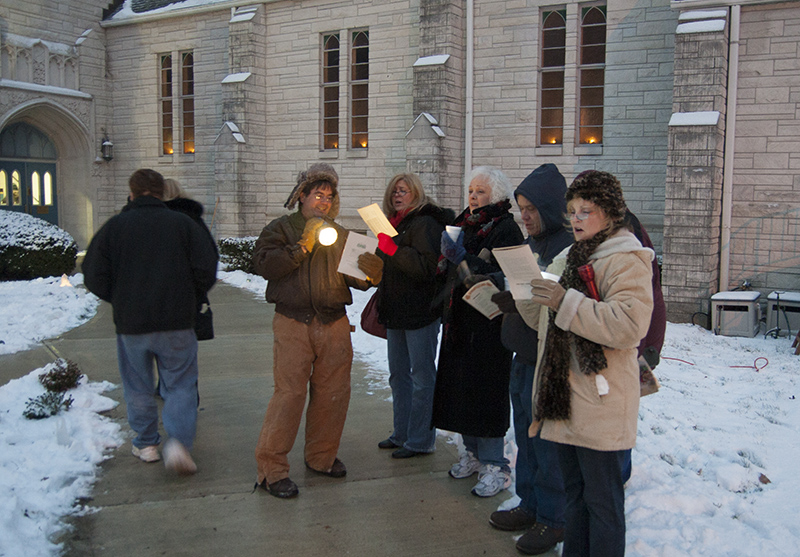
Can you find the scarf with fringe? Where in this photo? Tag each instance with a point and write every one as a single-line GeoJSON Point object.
{"type": "Point", "coordinates": [553, 400]}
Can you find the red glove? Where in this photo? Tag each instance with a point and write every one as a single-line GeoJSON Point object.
{"type": "Point", "coordinates": [386, 244]}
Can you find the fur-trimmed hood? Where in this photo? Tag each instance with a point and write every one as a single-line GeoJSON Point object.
{"type": "Point", "coordinates": [318, 172]}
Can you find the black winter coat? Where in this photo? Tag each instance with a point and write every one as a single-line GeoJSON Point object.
{"type": "Point", "coordinates": [471, 395]}
{"type": "Point", "coordinates": [150, 263]}
{"type": "Point", "coordinates": [409, 285]}
{"type": "Point", "coordinates": [193, 209]}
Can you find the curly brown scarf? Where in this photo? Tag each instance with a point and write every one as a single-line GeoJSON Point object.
{"type": "Point", "coordinates": [553, 402]}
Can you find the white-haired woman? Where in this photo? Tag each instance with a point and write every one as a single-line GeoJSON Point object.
{"type": "Point", "coordinates": [471, 396]}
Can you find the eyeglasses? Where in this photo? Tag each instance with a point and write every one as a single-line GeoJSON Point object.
{"type": "Point", "coordinates": [400, 193]}
{"type": "Point", "coordinates": [580, 217]}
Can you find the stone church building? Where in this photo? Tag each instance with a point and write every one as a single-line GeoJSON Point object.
{"type": "Point", "coordinates": [693, 104]}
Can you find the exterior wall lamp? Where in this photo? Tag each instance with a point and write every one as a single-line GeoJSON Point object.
{"type": "Point", "coordinates": [107, 148]}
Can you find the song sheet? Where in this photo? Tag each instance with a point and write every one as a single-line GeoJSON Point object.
{"type": "Point", "coordinates": [355, 245]}
{"type": "Point", "coordinates": [480, 297]}
{"type": "Point", "coordinates": [376, 221]}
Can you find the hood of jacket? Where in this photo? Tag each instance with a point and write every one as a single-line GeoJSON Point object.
{"type": "Point", "coordinates": [546, 188]}
{"type": "Point", "coordinates": [186, 205]}
{"type": "Point", "coordinates": [623, 241]}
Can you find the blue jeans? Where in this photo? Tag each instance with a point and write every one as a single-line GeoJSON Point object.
{"type": "Point", "coordinates": [489, 450]}
{"type": "Point", "coordinates": [595, 502]}
{"type": "Point", "coordinates": [412, 377]}
{"type": "Point", "coordinates": [176, 354]}
{"type": "Point", "coordinates": [539, 482]}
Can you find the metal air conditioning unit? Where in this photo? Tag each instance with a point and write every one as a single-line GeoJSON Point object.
{"type": "Point", "coordinates": [736, 313]}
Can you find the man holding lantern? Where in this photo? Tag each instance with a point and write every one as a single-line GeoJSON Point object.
{"type": "Point", "coordinates": [311, 331]}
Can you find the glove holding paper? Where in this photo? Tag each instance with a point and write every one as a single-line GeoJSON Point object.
{"type": "Point", "coordinates": [372, 266]}
{"type": "Point", "coordinates": [547, 292]}
{"type": "Point", "coordinates": [520, 266]}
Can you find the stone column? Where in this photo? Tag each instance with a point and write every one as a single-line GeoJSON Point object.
{"type": "Point", "coordinates": [240, 147]}
{"type": "Point", "coordinates": [693, 192]}
{"type": "Point", "coordinates": [439, 90]}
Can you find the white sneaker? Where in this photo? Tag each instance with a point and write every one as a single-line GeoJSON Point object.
{"type": "Point", "coordinates": [177, 458]}
{"type": "Point", "coordinates": [465, 467]}
{"type": "Point", "coordinates": [491, 481]}
{"type": "Point", "coordinates": [147, 454]}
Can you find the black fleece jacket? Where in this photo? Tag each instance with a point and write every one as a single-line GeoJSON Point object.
{"type": "Point", "coordinates": [150, 262]}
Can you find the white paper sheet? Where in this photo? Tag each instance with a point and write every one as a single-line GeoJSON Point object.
{"type": "Point", "coordinates": [355, 245]}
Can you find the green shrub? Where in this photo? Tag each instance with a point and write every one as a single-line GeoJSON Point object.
{"type": "Point", "coordinates": [63, 376]}
{"type": "Point", "coordinates": [237, 253]}
{"type": "Point", "coordinates": [46, 405]}
{"type": "Point", "coordinates": [31, 247]}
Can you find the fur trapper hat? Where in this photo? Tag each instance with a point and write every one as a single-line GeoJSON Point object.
{"type": "Point", "coordinates": [307, 179]}
{"type": "Point", "coordinates": [602, 189]}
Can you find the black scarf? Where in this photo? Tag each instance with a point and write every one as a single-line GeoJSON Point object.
{"type": "Point", "coordinates": [476, 227]}
{"type": "Point", "coordinates": [553, 401]}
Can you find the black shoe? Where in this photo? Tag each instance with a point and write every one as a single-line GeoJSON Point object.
{"type": "Point", "coordinates": [338, 470]}
{"type": "Point", "coordinates": [402, 452]}
{"type": "Point", "coordinates": [387, 444]}
{"type": "Point", "coordinates": [284, 489]}
{"type": "Point", "coordinates": [512, 520]}
{"type": "Point", "coordinates": [539, 539]}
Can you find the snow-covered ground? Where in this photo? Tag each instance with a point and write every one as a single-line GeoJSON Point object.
{"type": "Point", "coordinates": [714, 467]}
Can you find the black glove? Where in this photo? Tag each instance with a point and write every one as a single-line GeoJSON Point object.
{"type": "Point", "coordinates": [372, 266]}
{"type": "Point", "coordinates": [505, 301]}
{"type": "Point", "coordinates": [472, 280]}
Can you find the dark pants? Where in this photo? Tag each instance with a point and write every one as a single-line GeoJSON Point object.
{"type": "Point", "coordinates": [539, 481]}
{"type": "Point", "coordinates": [595, 502]}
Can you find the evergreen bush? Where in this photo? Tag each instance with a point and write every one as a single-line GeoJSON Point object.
{"type": "Point", "coordinates": [31, 248]}
{"type": "Point", "coordinates": [237, 253]}
{"type": "Point", "coordinates": [64, 375]}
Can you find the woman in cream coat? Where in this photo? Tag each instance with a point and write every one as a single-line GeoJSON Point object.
{"type": "Point", "coordinates": [586, 389]}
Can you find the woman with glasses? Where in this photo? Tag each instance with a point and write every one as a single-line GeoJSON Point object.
{"type": "Point", "coordinates": [474, 367]}
{"type": "Point", "coordinates": [405, 306]}
{"type": "Point", "coordinates": [586, 387]}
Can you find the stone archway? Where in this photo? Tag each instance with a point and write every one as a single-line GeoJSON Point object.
{"type": "Point", "coordinates": [77, 194]}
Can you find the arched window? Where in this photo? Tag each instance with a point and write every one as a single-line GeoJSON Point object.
{"type": "Point", "coordinates": [330, 91]}
{"type": "Point", "coordinates": [48, 188]}
{"type": "Point", "coordinates": [359, 91]}
{"type": "Point", "coordinates": [36, 189]}
{"type": "Point", "coordinates": [591, 75]}
{"type": "Point", "coordinates": [551, 82]}
{"type": "Point", "coordinates": [16, 189]}
{"type": "Point", "coordinates": [3, 188]}
{"type": "Point", "coordinates": [22, 141]}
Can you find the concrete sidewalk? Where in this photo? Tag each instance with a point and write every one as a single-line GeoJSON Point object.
{"type": "Point", "coordinates": [383, 507]}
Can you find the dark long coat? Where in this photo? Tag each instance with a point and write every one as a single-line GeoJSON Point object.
{"type": "Point", "coordinates": [471, 394]}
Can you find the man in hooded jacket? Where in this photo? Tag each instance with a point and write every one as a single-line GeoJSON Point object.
{"type": "Point", "coordinates": [541, 200]}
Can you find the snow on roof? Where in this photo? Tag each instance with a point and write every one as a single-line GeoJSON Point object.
{"type": "Point", "coordinates": [435, 60]}
{"type": "Point", "coordinates": [236, 77]}
{"type": "Point", "coordinates": [244, 14]}
{"type": "Point", "coordinates": [135, 9]}
{"type": "Point", "coordinates": [710, 26]}
{"type": "Point", "coordinates": [703, 14]}
{"type": "Point", "coordinates": [28, 42]}
{"type": "Point", "coordinates": [702, 118]}
{"type": "Point", "coordinates": [44, 88]}
{"type": "Point", "coordinates": [738, 296]}
{"type": "Point", "coordinates": [432, 122]}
